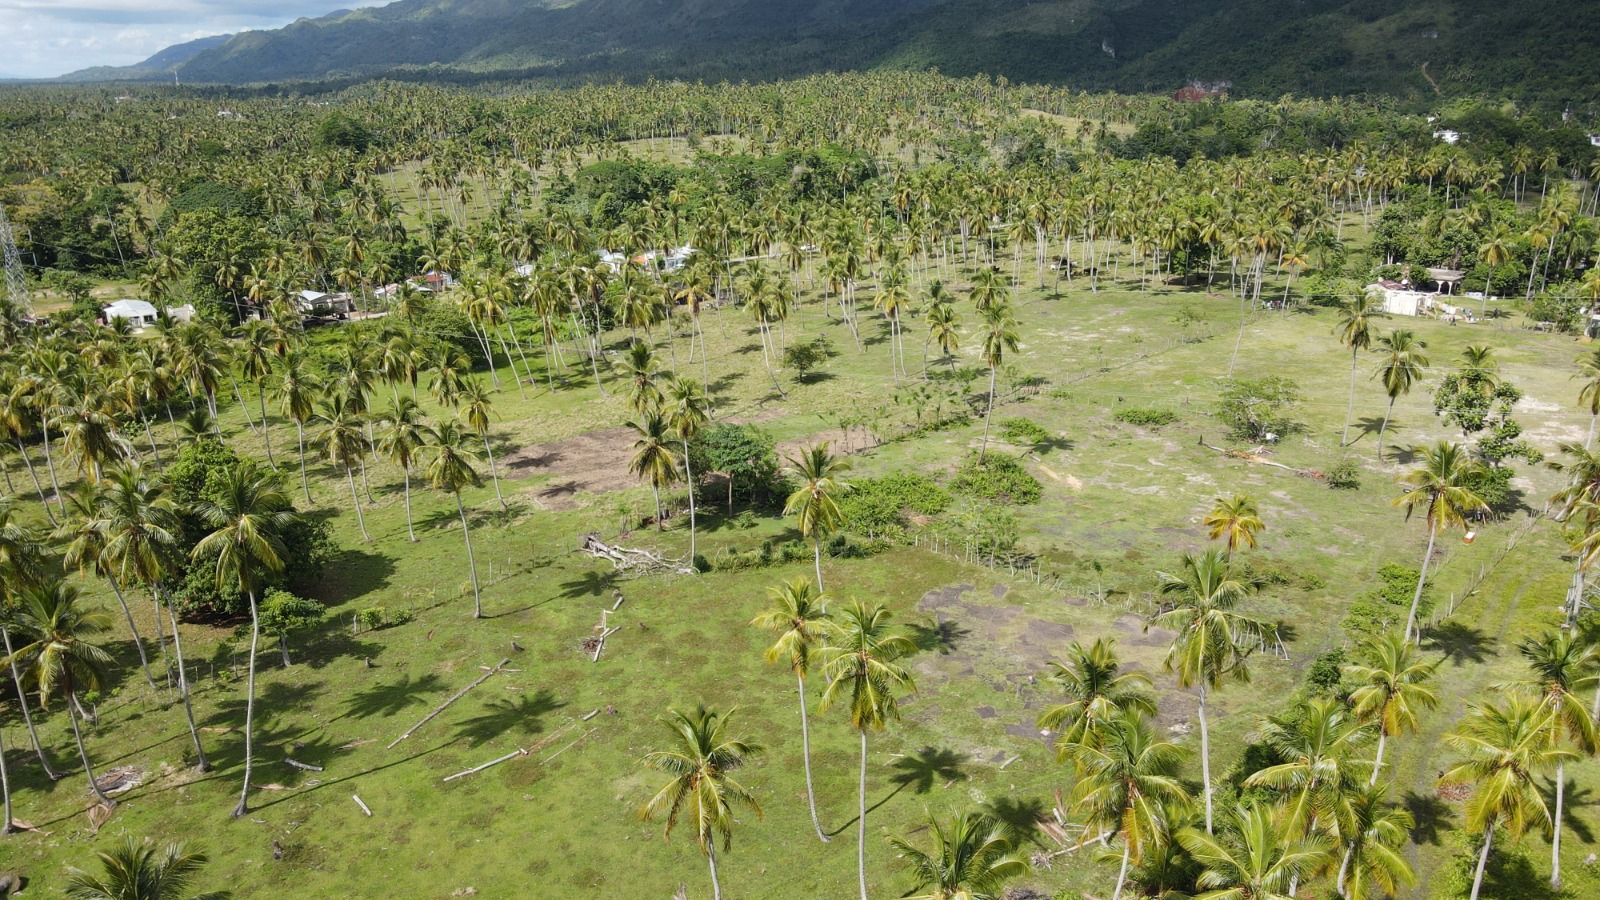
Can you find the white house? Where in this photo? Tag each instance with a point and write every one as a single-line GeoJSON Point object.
{"type": "Point", "coordinates": [1399, 299]}
{"type": "Point", "coordinates": [318, 303]}
{"type": "Point", "coordinates": [137, 313]}
{"type": "Point", "coordinates": [1448, 135]}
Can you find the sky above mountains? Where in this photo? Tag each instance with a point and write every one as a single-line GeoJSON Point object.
{"type": "Point", "coordinates": [45, 38]}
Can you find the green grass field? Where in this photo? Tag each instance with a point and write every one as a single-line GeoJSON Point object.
{"type": "Point", "coordinates": [561, 821]}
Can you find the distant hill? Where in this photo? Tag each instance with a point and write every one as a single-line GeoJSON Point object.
{"type": "Point", "coordinates": [161, 65]}
{"type": "Point", "coordinates": [1420, 48]}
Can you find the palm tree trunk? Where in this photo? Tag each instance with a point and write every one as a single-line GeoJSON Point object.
{"type": "Point", "coordinates": [1344, 869]}
{"type": "Point", "coordinates": [266, 436]}
{"type": "Point", "coordinates": [183, 690]}
{"type": "Point", "coordinates": [472, 564]}
{"type": "Point", "coordinates": [243, 406]}
{"type": "Point", "coordinates": [5, 792]}
{"type": "Point", "coordinates": [22, 701]}
{"type": "Point", "coordinates": [1350, 407]}
{"type": "Point", "coordinates": [688, 479]}
{"type": "Point", "coordinates": [805, 754]}
{"type": "Point", "coordinates": [1385, 426]}
{"type": "Point", "coordinates": [1122, 876]}
{"type": "Point", "coordinates": [1555, 840]}
{"type": "Point", "coordinates": [987, 416]}
{"type": "Point", "coordinates": [50, 465]}
{"type": "Point", "coordinates": [83, 752]}
{"type": "Point", "coordinates": [1422, 579]}
{"type": "Point", "coordinates": [283, 648]}
{"type": "Point", "coordinates": [711, 859]}
{"type": "Point", "coordinates": [656, 490]}
{"type": "Point", "coordinates": [36, 485]}
{"type": "Point", "coordinates": [300, 436]}
{"type": "Point", "coordinates": [1244, 319]}
{"type": "Point", "coordinates": [138, 642]}
{"type": "Point", "coordinates": [861, 821]}
{"type": "Point", "coordinates": [411, 532]}
{"type": "Point", "coordinates": [494, 472]}
{"type": "Point", "coordinates": [250, 702]}
{"type": "Point", "coordinates": [355, 500]}
{"type": "Point", "coordinates": [1377, 762]}
{"type": "Point", "coordinates": [816, 552]}
{"type": "Point", "coordinates": [149, 433]}
{"type": "Point", "coordinates": [1483, 859]}
{"type": "Point", "coordinates": [1205, 756]}
{"type": "Point", "coordinates": [366, 486]}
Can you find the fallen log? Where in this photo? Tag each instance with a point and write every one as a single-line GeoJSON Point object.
{"type": "Point", "coordinates": [1262, 460]}
{"type": "Point", "coordinates": [493, 762]}
{"type": "Point", "coordinates": [567, 747]}
{"type": "Point", "coordinates": [300, 765]}
{"type": "Point", "coordinates": [601, 644]}
{"type": "Point", "coordinates": [626, 559]}
{"type": "Point", "coordinates": [357, 799]}
{"type": "Point", "coordinates": [446, 705]}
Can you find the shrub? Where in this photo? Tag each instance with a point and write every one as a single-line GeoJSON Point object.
{"type": "Point", "coordinates": [1254, 408]}
{"type": "Point", "coordinates": [1343, 475]}
{"type": "Point", "coordinates": [1386, 607]}
{"type": "Point", "coordinates": [1326, 671]}
{"type": "Point", "coordinates": [1024, 431]}
{"type": "Point", "coordinates": [876, 504]}
{"type": "Point", "coordinates": [997, 477]}
{"type": "Point", "coordinates": [1145, 417]}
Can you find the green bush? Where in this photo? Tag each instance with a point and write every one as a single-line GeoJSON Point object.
{"type": "Point", "coordinates": [997, 477]}
{"type": "Point", "coordinates": [876, 504]}
{"type": "Point", "coordinates": [1326, 671]}
{"type": "Point", "coordinates": [1387, 606]}
{"type": "Point", "coordinates": [1024, 431]}
{"type": "Point", "coordinates": [1343, 475]}
{"type": "Point", "coordinates": [1145, 417]}
{"type": "Point", "coordinates": [1254, 408]}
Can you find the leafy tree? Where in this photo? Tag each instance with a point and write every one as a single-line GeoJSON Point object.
{"type": "Point", "coordinates": [1373, 835]}
{"type": "Point", "coordinates": [1258, 409]}
{"type": "Point", "coordinates": [701, 764]}
{"type": "Point", "coordinates": [135, 871]}
{"type": "Point", "coordinates": [743, 454]}
{"type": "Point", "coordinates": [972, 856]}
{"type": "Point", "coordinates": [282, 614]}
{"type": "Point", "coordinates": [797, 618]}
{"type": "Point", "coordinates": [1252, 857]}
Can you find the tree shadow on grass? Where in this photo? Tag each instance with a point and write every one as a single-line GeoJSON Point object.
{"type": "Point", "coordinates": [1367, 426]}
{"type": "Point", "coordinates": [942, 636]}
{"type": "Point", "coordinates": [1575, 797]}
{"type": "Point", "coordinates": [592, 584]}
{"type": "Point", "coordinates": [918, 771]}
{"type": "Point", "coordinates": [387, 700]}
{"type": "Point", "coordinates": [520, 715]}
{"type": "Point", "coordinates": [1429, 816]}
{"type": "Point", "coordinates": [1021, 817]}
{"type": "Point", "coordinates": [1461, 643]}
{"type": "Point", "coordinates": [333, 644]}
{"type": "Point", "coordinates": [355, 574]}
{"type": "Point", "coordinates": [330, 782]}
{"type": "Point", "coordinates": [1511, 874]}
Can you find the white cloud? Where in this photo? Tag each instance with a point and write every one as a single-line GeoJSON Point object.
{"type": "Point", "coordinates": [45, 38]}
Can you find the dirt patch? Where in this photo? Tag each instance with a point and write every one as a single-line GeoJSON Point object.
{"type": "Point", "coordinates": [592, 463]}
{"type": "Point", "coordinates": [944, 598]}
{"type": "Point", "coordinates": [999, 591]}
{"type": "Point", "coordinates": [838, 441]}
{"type": "Point", "coordinates": [986, 712]}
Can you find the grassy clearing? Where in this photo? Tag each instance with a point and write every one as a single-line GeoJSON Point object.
{"type": "Point", "coordinates": [1126, 497]}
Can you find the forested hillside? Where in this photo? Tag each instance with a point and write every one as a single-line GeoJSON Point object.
{"type": "Point", "coordinates": [1525, 51]}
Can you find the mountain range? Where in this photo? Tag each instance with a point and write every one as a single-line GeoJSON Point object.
{"type": "Point", "coordinates": [1522, 49]}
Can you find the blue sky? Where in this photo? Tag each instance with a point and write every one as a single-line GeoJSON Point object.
{"type": "Point", "coordinates": [43, 38]}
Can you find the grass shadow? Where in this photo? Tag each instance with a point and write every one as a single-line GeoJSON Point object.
{"type": "Point", "coordinates": [918, 771]}
{"type": "Point", "coordinates": [355, 574]}
{"type": "Point", "coordinates": [592, 584]}
{"type": "Point", "coordinates": [1021, 817]}
{"type": "Point", "coordinates": [942, 637]}
{"type": "Point", "coordinates": [1461, 643]}
{"type": "Point", "coordinates": [1429, 816]}
{"type": "Point", "coordinates": [330, 782]}
{"type": "Point", "coordinates": [521, 716]}
{"type": "Point", "coordinates": [387, 700]}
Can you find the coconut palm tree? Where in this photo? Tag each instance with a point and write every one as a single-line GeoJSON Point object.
{"type": "Point", "coordinates": [1442, 487]}
{"type": "Point", "coordinates": [1213, 639]}
{"type": "Point", "coordinates": [999, 335]}
{"type": "Point", "coordinates": [797, 619]}
{"type": "Point", "coordinates": [451, 452]}
{"type": "Point", "coordinates": [85, 533]}
{"type": "Point", "coordinates": [1097, 693]}
{"type": "Point", "coordinates": [1235, 520]}
{"type": "Point", "coordinates": [859, 664]}
{"type": "Point", "coordinates": [815, 504]}
{"type": "Point", "coordinates": [248, 515]}
{"type": "Point", "coordinates": [473, 406]}
{"type": "Point", "coordinates": [401, 434]}
{"type": "Point", "coordinates": [1252, 857]}
{"type": "Point", "coordinates": [943, 325]}
{"type": "Point", "coordinates": [701, 764]}
{"type": "Point", "coordinates": [687, 412]}
{"type": "Point", "coordinates": [1404, 364]}
{"type": "Point", "coordinates": [1561, 664]}
{"type": "Point", "coordinates": [1128, 784]}
{"type": "Point", "coordinates": [1504, 745]}
{"type": "Point", "coordinates": [297, 389]}
{"type": "Point", "coordinates": [653, 457]}
{"type": "Point", "coordinates": [1589, 394]}
{"type": "Point", "coordinates": [22, 563]}
{"type": "Point", "coordinates": [138, 871]}
{"type": "Point", "coordinates": [643, 372]}
{"type": "Point", "coordinates": [973, 855]}
{"type": "Point", "coordinates": [1373, 835]}
{"type": "Point", "coordinates": [1393, 688]}
{"type": "Point", "coordinates": [1354, 330]}
{"type": "Point", "coordinates": [344, 441]}
{"type": "Point", "coordinates": [60, 654]}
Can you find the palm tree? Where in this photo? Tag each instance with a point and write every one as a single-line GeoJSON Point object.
{"type": "Point", "coordinates": [653, 457]}
{"type": "Point", "coordinates": [701, 765]}
{"type": "Point", "coordinates": [1235, 520]}
{"type": "Point", "coordinates": [141, 525]}
{"type": "Point", "coordinates": [1505, 744]}
{"type": "Point", "coordinates": [999, 335]}
{"type": "Point", "coordinates": [449, 469]}
{"type": "Point", "coordinates": [21, 564]}
{"type": "Point", "coordinates": [1212, 640]}
{"type": "Point", "coordinates": [1442, 485]}
{"type": "Point", "coordinates": [1252, 857]}
{"type": "Point", "coordinates": [472, 405]}
{"type": "Point", "coordinates": [1394, 688]}
{"type": "Point", "coordinates": [86, 535]}
{"type": "Point", "coordinates": [135, 871]}
{"type": "Point", "coordinates": [686, 414]}
{"type": "Point", "coordinates": [797, 619]}
{"type": "Point", "coordinates": [248, 515]}
{"type": "Point", "coordinates": [400, 436]}
{"type": "Point", "coordinates": [344, 441]}
{"type": "Point", "coordinates": [815, 504]}
{"type": "Point", "coordinates": [943, 323]}
{"type": "Point", "coordinates": [297, 389]}
{"type": "Point", "coordinates": [1097, 691]}
{"type": "Point", "coordinates": [1589, 395]}
{"type": "Point", "coordinates": [1562, 664]}
{"type": "Point", "coordinates": [972, 856]}
{"type": "Point", "coordinates": [1354, 330]}
{"type": "Point", "coordinates": [1128, 784]}
{"type": "Point", "coordinates": [860, 660]}
{"type": "Point", "coordinates": [1404, 364]}
{"type": "Point", "coordinates": [1373, 835]}
{"type": "Point", "coordinates": [642, 370]}
{"type": "Point", "coordinates": [60, 654]}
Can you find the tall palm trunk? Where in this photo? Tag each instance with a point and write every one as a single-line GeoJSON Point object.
{"type": "Point", "coordinates": [816, 553]}
{"type": "Point", "coordinates": [688, 479]}
{"type": "Point", "coordinates": [1350, 407]}
{"type": "Point", "coordinates": [411, 532]}
{"type": "Point", "coordinates": [355, 500]}
{"type": "Point", "coordinates": [1483, 859]}
{"type": "Point", "coordinates": [987, 416]}
{"type": "Point", "coordinates": [83, 752]}
{"type": "Point", "coordinates": [1555, 840]}
{"type": "Point", "coordinates": [50, 464]}
{"type": "Point", "coordinates": [472, 565]}
{"type": "Point", "coordinates": [266, 436]}
{"type": "Point", "coordinates": [1122, 876]}
{"type": "Point", "coordinates": [805, 755]}
{"type": "Point", "coordinates": [138, 642]}
{"type": "Point", "coordinates": [1377, 761]}
{"type": "Point", "coordinates": [22, 701]}
{"type": "Point", "coordinates": [250, 705]}
{"type": "Point", "coordinates": [1422, 579]}
{"type": "Point", "coordinates": [861, 821]}
{"type": "Point", "coordinates": [21, 451]}
{"type": "Point", "coordinates": [183, 690]}
{"type": "Point", "coordinates": [300, 436]}
{"type": "Point", "coordinates": [494, 473]}
{"type": "Point", "coordinates": [711, 859]}
{"type": "Point", "coordinates": [5, 793]}
{"type": "Point", "coordinates": [1385, 426]}
{"type": "Point", "coordinates": [1205, 756]}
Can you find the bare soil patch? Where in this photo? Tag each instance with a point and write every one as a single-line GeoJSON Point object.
{"type": "Point", "coordinates": [592, 463]}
